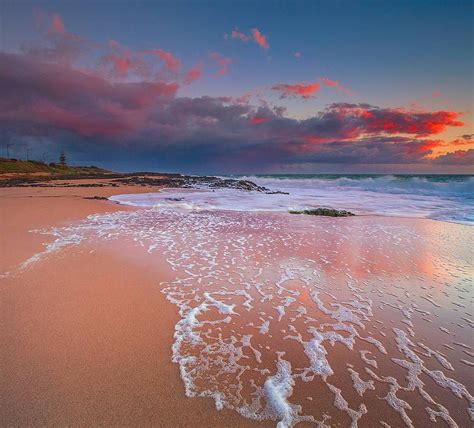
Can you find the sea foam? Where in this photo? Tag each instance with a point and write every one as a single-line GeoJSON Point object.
{"type": "Point", "coordinates": [273, 306]}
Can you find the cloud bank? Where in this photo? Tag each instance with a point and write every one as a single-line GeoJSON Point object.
{"type": "Point", "coordinates": [128, 101]}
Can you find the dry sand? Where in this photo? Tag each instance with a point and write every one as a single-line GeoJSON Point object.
{"type": "Point", "coordinates": [86, 336]}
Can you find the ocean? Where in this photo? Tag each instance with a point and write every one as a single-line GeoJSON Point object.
{"type": "Point", "coordinates": [441, 197]}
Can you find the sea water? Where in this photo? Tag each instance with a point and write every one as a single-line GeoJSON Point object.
{"type": "Point", "coordinates": [440, 197]}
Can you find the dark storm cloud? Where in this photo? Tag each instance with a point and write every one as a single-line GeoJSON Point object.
{"type": "Point", "coordinates": [65, 104]}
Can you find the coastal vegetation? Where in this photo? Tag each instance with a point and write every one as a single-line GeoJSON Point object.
{"type": "Point", "coordinates": [16, 166]}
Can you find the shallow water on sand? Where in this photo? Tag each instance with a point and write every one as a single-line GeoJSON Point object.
{"type": "Point", "coordinates": [301, 319]}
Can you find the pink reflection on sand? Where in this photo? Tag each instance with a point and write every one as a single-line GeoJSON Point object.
{"type": "Point", "coordinates": [293, 318]}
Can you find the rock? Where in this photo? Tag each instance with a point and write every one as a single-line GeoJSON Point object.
{"type": "Point", "coordinates": [143, 179]}
{"type": "Point", "coordinates": [276, 192]}
{"type": "Point", "coordinates": [189, 181]}
{"type": "Point", "coordinates": [328, 212]}
{"type": "Point", "coordinates": [98, 198]}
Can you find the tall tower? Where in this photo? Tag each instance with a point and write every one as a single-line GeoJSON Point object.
{"type": "Point", "coordinates": [62, 158]}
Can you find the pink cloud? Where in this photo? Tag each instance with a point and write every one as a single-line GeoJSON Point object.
{"type": "Point", "coordinates": [255, 35]}
{"type": "Point", "coordinates": [297, 55]}
{"type": "Point", "coordinates": [334, 84]}
{"type": "Point", "coordinates": [258, 120]}
{"type": "Point", "coordinates": [155, 64]}
{"type": "Point", "coordinates": [193, 74]}
{"type": "Point", "coordinates": [436, 94]}
{"type": "Point", "coordinates": [330, 83]}
{"type": "Point", "coordinates": [57, 26]}
{"type": "Point", "coordinates": [243, 99]}
{"type": "Point", "coordinates": [235, 34]}
{"type": "Point", "coordinates": [86, 125]}
{"type": "Point", "coordinates": [120, 64]}
{"type": "Point", "coordinates": [56, 44]}
{"type": "Point", "coordinates": [221, 61]}
{"type": "Point", "coordinates": [302, 90]}
{"type": "Point", "coordinates": [260, 39]}
{"type": "Point", "coordinates": [171, 63]}
{"type": "Point", "coordinates": [307, 90]}
{"type": "Point", "coordinates": [107, 59]}
{"type": "Point", "coordinates": [61, 98]}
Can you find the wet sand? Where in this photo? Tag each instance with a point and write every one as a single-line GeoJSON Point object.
{"type": "Point", "coordinates": [86, 335]}
{"type": "Point", "coordinates": [88, 331]}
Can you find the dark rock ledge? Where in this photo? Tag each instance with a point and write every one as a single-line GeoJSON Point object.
{"type": "Point", "coordinates": [190, 181]}
{"type": "Point", "coordinates": [139, 179]}
{"type": "Point", "coordinates": [328, 212]}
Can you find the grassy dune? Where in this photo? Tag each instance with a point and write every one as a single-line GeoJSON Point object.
{"type": "Point", "coordinates": [14, 166]}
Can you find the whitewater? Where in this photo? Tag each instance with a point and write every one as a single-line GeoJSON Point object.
{"type": "Point", "coordinates": [446, 198]}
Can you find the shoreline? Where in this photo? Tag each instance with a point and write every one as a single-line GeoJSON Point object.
{"type": "Point", "coordinates": [87, 333]}
{"type": "Point", "coordinates": [88, 329]}
{"type": "Point", "coordinates": [262, 211]}
{"type": "Point", "coordinates": [436, 207]}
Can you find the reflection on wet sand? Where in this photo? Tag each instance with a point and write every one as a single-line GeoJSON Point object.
{"type": "Point", "coordinates": [328, 321]}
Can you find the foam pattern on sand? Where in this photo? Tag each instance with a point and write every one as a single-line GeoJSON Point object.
{"type": "Point", "coordinates": [329, 321]}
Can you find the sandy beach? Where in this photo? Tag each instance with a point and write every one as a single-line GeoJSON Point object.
{"type": "Point", "coordinates": [86, 336]}
{"type": "Point", "coordinates": [339, 320]}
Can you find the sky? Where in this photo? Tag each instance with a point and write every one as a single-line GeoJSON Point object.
{"type": "Point", "coordinates": [334, 86]}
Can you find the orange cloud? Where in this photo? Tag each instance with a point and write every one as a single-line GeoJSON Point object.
{"type": "Point", "coordinates": [330, 83]}
{"type": "Point", "coordinates": [334, 84]}
{"type": "Point", "coordinates": [428, 146]}
{"type": "Point", "coordinates": [303, 90]}
{"type": "Point", "coordinates": [462, 142]}
{"type": "Point", "coordinates": [255, 36]}
{"type": "Point", "coordinates": [260, 39]}
{"type": "Point", "coordinates": [396, 121]}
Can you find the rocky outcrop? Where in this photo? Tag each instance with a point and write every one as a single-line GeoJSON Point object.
{"type": "Point", "coordinates": [191, 181]}
{"type": "Point", "coordinates": [139, 179]}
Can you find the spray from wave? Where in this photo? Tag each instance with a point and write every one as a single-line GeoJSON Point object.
{"type": "Point", "coordinates": [460, 186]}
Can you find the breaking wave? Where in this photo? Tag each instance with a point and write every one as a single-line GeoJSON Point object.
{"type": "Point", "coordinates": [446, 198]}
